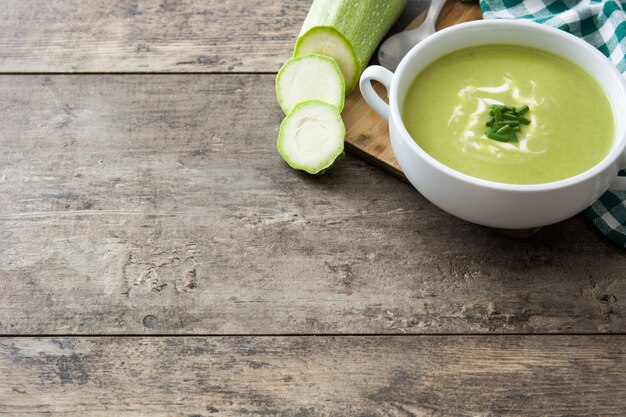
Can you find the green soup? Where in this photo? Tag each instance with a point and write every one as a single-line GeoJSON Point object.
{"type": "Point", "coordinates": [448, 103]}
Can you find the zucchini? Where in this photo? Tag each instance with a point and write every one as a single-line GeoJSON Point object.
{"type": "Point", "coordinates": [348, 31]}
{"type": "Point", "coordinates": [310, 77]}
{"type": "Point", "coordinates": [311, 137]}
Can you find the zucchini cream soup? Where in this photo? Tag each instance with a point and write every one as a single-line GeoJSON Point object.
{"type": "Point", "coordinates": [509, 114]}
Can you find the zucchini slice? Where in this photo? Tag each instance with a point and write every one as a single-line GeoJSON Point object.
{"type": "Point", "coordinates": [311, 137]}
{"type": "Point", "coordinates": [310, 77]}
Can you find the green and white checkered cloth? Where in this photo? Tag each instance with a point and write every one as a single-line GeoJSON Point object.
{"type": "Point", "coordinates": [602, 23]}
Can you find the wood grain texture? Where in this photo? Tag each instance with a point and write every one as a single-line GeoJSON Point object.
{"type": "Point", "coordinates": [311, 376]}
{"type": "Point", "coordinates": [367, 134]}
{"type": "Point", "coordinates": [152, 35]}
{"type": "Point", "coordinates": [158, 204]}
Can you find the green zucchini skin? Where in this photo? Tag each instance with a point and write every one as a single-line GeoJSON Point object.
{"type": "Point", "coordinates": [361, 23]}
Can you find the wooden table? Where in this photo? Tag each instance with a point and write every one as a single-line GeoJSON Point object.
{"type": "Point", "coordinates": [158, 258]}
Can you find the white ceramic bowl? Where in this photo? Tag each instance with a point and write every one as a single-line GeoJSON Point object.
{"type": "Point", "coordinates": [489, 203]}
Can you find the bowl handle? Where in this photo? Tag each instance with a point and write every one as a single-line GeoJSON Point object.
{"type": "Point", "coordinates": [383, 76]}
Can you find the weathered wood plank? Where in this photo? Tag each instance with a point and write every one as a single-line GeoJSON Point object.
{"type": "Point", "coordinates": [314, 376]}
{"type": "Point", "coordinates": [158, 204]}
{"type": "Point", "coordinates": [152, 35]}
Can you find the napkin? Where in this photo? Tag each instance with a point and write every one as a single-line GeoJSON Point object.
{"type": "Point", "coordinates": [602, 23]}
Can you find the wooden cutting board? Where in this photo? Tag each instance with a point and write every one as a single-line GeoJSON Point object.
{"type": "Point", "coordinates": [367, 134]}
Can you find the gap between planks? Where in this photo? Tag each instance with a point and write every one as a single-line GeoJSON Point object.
{"type": "Point", "coordinates": [298, 335]}
{"type": "Point", "coordinates": [133, 73]}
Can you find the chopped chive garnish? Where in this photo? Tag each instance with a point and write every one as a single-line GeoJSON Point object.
{"type": "Point", "coordinates": [504, 129]}
{"type": "Point", "coordinates": [504, 122]}
{"type": "Point", "coordinates": [496, 136]}
{"type": "Point", "coordinates": [497, 112]}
